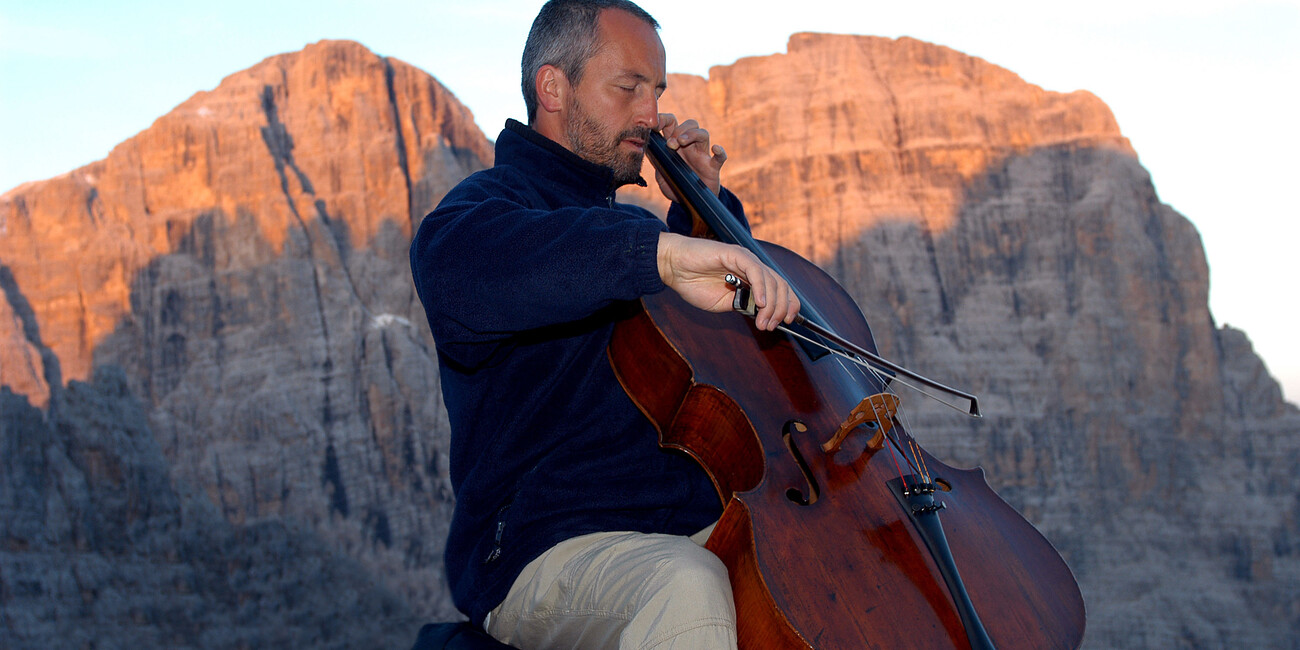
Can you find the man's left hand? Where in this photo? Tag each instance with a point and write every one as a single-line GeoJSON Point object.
{"type": "Point", "coordinates": [692, 143]}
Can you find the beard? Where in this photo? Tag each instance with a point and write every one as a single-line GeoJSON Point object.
{"type": "Point", "coordinates": [594, 143]}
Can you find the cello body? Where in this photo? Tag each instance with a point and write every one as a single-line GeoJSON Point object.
{"type": "Point", "coordinates": [821, 551]}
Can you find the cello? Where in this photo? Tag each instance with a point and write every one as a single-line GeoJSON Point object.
{"type": "Point", "coordinates": [838, 531]}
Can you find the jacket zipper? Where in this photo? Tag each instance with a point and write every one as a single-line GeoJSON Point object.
{"type": "Point", "coordinates": [501, 528]}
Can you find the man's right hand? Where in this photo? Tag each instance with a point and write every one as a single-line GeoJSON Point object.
{"type": "Point", "coordinates": [696, 269]}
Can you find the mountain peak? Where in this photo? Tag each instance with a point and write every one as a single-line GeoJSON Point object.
{"type": "Point", "coordinates": [332, 134]}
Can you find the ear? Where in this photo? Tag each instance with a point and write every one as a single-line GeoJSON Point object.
{"type": "Point", "coordinates": [552, 89]}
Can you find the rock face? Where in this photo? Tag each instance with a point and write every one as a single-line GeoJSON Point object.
{"type": "Point", "coordinates": [244, 262]}
{"type": "Point", "coordinates": [1005, 240]}
{"type": "Point", "coordinates": [101, 550]}
{"type": "Point", "coordinates": [264, 395]}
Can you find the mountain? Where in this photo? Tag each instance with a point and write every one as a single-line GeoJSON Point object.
{"type": "Point", "coordinates": [1007, 241]}
{"type": "Point", "coordinates": [243, 264]}
{"type": "Point", "coordinates": [223, 423]}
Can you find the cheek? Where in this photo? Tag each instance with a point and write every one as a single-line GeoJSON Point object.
{"type": "Point", "coordinates": [617, 112]}
{"type": "Point", "coordinates": [616, 102]}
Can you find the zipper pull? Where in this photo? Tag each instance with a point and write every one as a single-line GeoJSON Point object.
{"type": "Point", "coordinates": [496, 550]}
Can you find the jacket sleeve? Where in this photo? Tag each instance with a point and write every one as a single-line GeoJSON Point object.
{"type": "Point", "coordinates": [486, 265]}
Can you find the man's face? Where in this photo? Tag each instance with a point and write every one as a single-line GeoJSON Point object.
{"type": "Point", "coordinates": [609, 115]}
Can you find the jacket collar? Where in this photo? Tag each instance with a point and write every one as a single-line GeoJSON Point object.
{"type": "Point", "coordinates": [520, 144]}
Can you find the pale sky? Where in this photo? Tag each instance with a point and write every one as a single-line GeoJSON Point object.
{"type": "Point", "coordinates": [1206, 90]}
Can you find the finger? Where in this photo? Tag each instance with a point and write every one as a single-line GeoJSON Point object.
{"type": "Point", "coordinates": [690, 133]}
{"type": "Point", "coordinates": [766, 319]}
{"type": "Point", "coordinates": [667, 125]}
{"type": "Point", "coordinates": [786, 303]}
{"type": "Point", "coordinates": [719, 156]}
{"type": "Point", "coordinates": [781, 301]}
{"type": "Point", "coordinates": [750, 270]}
{"type": "Point", "coordinates": [780, 305]}
{"type": "Point", "coordinates": [794, 306]}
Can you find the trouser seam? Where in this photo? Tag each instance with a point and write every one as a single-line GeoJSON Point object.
{"type": "Point", "coordinates": [552, 613]}
{"type": "Point", "coordinates": [701, 623]}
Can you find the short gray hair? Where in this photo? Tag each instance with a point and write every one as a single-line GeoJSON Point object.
{"type": "Point", "coordinates": [564, 35]}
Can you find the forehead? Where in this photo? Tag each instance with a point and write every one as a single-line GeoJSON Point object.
{"type": "Point", "coordinates": [628, 45]}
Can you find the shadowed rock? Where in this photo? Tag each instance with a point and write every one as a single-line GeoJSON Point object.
{"type": "Point", "coordinates": [1006, 240]}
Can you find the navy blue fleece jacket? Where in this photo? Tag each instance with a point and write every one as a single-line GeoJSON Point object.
{"type": "Point", "coordinates": [520, 270]}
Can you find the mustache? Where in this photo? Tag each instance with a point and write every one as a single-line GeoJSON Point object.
{"type": "Point", "coordinates": [641, 133]}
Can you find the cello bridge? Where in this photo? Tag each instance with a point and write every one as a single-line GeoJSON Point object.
{"type": "Point", "coordinates": [876, 413]}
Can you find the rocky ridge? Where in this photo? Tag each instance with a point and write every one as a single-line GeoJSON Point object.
{"type": "Point", "coordinates": [1006, 240]}
{"type": "Point", "coordinates": [243, 263]}
{"type": "Point", "coordinates": [102, 550]}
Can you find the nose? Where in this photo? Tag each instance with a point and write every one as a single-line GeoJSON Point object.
{"type": "Point", "coordinates": [647, 111]}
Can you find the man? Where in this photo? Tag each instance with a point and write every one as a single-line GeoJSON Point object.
{"type": "Point", "coordinates": [572, 526]}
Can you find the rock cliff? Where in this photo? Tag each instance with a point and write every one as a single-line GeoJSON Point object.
{"type": "Point", "coordinates": [101, 550]}
{"type": "Point", "coordinates": [1006, 240]}
{"type": "Point", "coordinates": [232, 284]}
{"type": "Point", "coordinates": [244, 262]}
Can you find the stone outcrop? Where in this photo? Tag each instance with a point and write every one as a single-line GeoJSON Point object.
{"type": "Point", "coordinates": [244, 261]}
{"type": "Point", "coordinates": [100, 549]}
{"type": "Point", "coordinates": [1006, 240]}
{"type": "Point", "coordinates": [234, 281]}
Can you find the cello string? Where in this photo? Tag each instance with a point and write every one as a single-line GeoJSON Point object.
{"type": "Point", "coordinates": [909, 449]}
{"type": "Point", "coordinates": [918, 461]}
{"type": "Point", "coordinates": [890, 434]}
{"type": "Point", "coordinates": [865, 364]}
{"type": "Point", "coordinates": [861, 367]}
{"type": "Point", "coordinates": [893, 455]}
{"type": "Point", "coordinates": [915, 459]}
{"type": "Point", "coordinates": [916, 453]}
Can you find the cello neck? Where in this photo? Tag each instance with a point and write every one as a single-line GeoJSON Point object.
{"type": "Point", "coordinates": [701, 203]}
{"type": "Point", "coordinates": [705, 206]}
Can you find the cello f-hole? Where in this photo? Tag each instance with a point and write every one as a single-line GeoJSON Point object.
{"type": "Point", "coordinates": [801, 497]}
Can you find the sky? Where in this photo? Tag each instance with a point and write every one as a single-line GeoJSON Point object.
{"type": "Point", "coordinates": [1206, 90]}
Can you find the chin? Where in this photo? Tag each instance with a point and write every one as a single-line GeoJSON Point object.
{"type": "Point", "coordinates": [630, 170]}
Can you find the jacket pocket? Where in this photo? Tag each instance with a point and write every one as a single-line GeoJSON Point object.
{"type": "Point", "coordinates": [495, 553]}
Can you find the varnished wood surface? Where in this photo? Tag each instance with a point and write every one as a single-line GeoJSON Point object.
{"type": "Point", "coordinates": [848, 571]}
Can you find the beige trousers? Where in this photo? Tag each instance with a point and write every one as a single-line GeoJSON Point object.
{"type": "Point", "coordinates": [620, 590]}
